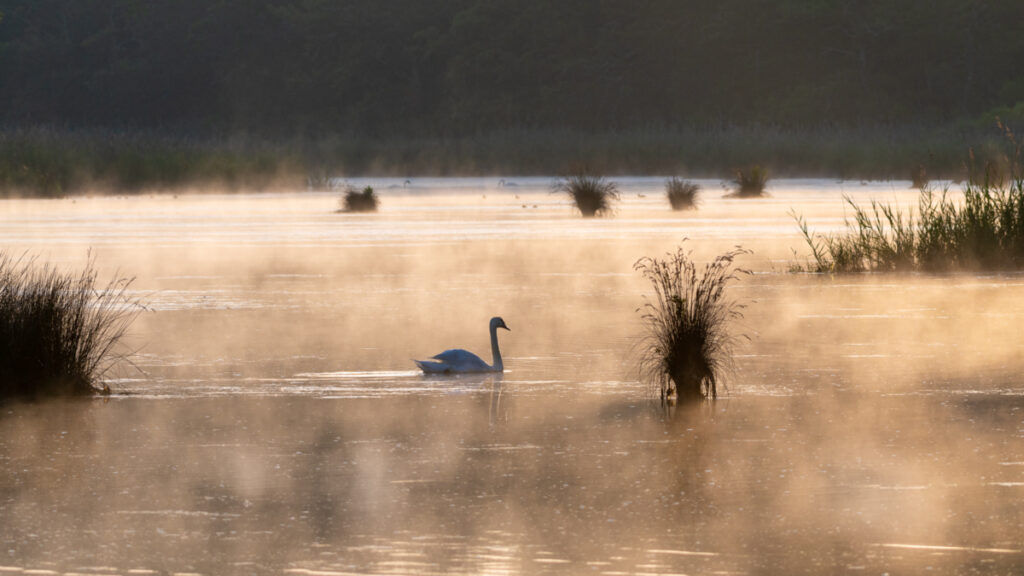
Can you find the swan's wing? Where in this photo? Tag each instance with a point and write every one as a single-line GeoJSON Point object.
{"type": "Point", "coordinates": [457, 356]}
{"type": "Point", "coordinates": [459, 360]}
{"type": "Point", "coordinates": [433, 367]}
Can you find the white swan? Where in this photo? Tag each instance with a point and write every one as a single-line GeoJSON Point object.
{"type": "Point", "coordinates": [462, 361]}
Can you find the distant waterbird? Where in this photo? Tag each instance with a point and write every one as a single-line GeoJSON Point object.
{"type": "Point", "coordinates": [459, 361]}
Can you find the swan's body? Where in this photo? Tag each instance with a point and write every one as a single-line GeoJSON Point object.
{"type": "Point", "coordinates": [458, 361]}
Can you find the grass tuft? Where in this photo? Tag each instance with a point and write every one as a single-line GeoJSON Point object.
{"type": "Point", "coordinates": [881, 238]}
{"type": "Point", "coordinates": [689, 343]}
{"type": "Point", "coordinates": [682, 194]}
{"type": "Point", "coordinates": [592, 195]}
{"type": "Point", "coordinates": [982, 231]}
{"type": "Point", "coordinates": [58, 333]}
{"type": "Point", "coordinates": [750, 182]}
{"type": "Point", "coordinates": [356, 201]}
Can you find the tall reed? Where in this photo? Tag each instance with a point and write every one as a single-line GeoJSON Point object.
{"type": "Point", "coordinates": [982, 231]}
{"type": "Point", "coordinates": [59, 334]}
{"type": "Point", "coordinates": [689, 340]}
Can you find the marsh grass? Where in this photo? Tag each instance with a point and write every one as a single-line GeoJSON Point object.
{"type": "Point", "coordinates": [682, 194]}
{"type": "Point", "coordinates": [359, 201]}
{"type": "Point", "coordinates": [689, 339]}
{"type": "Point", "coordinates": [53, 163]}
{"type": "Point", "coordinates": [48, 161]}
{"type": "Point", "coordinates": [592, 195]}
{"type": "Point", "coordinates": [750, 182]}
{"type": "Point", "coordinates": [879, 238]}
{"type": "Point", "coordinates": [984, 230]}
{"type": "Point", "coordinates": [59, 334]}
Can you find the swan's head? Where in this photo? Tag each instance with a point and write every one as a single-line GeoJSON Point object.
{"type": "Point", "coordinates": [497, 322]}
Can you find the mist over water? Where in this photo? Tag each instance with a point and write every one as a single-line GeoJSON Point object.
{"type": "Point", "coordinates": [275, 423]}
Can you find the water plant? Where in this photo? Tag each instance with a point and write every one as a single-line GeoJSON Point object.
{"type": "Point", "coordinates": [689, 338]}
{"type": "Point", "coordinates": [682, 194]}
{"type": "Point", "coordinates": [59, 334]}
{"type": "Point", "coordinates": [359, 201]}
{"type": "Point", "coordinates": [881, 238]}
{"type": "Point", "coordinates": [592, 195]}
{"type": "Point", "coordinates": [983, 231]}
{"type": "Point", "coordinates": [750, 182]}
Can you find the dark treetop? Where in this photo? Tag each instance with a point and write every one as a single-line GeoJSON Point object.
{"type": "Point", "coordinates": [457, 67]}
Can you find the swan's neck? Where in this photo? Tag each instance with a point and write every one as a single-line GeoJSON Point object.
{"type": "Point", "coordinates": [495, 353]}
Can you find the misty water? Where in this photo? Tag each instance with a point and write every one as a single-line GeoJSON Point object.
{"type": "Point", "coordinates": [272, 420]}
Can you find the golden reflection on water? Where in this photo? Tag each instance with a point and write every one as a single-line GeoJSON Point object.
{"type": "Point", "coordinates": [275, 422]}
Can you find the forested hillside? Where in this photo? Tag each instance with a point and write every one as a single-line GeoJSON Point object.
{"type": "Point", "coordinates": [297, 68]}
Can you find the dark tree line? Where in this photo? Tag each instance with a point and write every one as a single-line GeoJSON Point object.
{"type": "Point", "coordinates": [457, 67]}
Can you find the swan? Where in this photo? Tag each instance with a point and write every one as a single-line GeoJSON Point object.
{"type": "Point", "coordinates": [462, 361]}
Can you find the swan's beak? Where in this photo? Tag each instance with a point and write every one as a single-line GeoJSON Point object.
{"type": "Point", "coordinates": [506, 327]}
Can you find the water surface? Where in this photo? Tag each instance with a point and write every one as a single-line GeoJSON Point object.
{"type": "Point", "coordinates": [274, 423]}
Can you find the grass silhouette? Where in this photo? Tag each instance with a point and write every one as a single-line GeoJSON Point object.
{"type": "Point", "coordinates": [982, 231]}
{"type": "Point", "coordinates": [359, 201]}
{"type": "Point", "coordinates": [682, 194]}
{"type": "Point", "coordinates": [750, 182]}
{"type": "Point", "coordinates": [58, 333]}
{"type": "Point", "coordinates": [592, 195]}
{"type": "Point", "coordinates": [688, 342]}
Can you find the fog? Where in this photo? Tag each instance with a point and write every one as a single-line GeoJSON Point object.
{"type": "Point", "coordinates": [271, 419]}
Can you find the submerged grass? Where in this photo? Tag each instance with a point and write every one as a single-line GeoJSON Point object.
{"type": "Point", "coordinates": [682, 194]}
{"type": "Point", "coordinates": [58, 333]}
{"type": "Point", "coordinates": [356, 201]}
{"type": "Point", "coordinates": [592, 195]}
{"type": "Point", "coordinates": [689, 341]}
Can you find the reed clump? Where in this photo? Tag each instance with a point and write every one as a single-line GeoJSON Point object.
{"type": "Point", "coordinates": [592, 195]}
{"type": "Point", "coordinates": [59, 334]}
{"type": "Point", "coordinates": [682, 194]}
{"type": "Point", "coordinates": [984, 230]}
{"type": "Point", "coordinates": [355, 200]}
{"type": "Point", "coordinates": [750, 182]}
{"type": "Point", "coordinates": [689, 340]}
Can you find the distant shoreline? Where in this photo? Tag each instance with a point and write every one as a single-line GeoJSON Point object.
{"type": "Point", "coordinates": [48, 162]}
